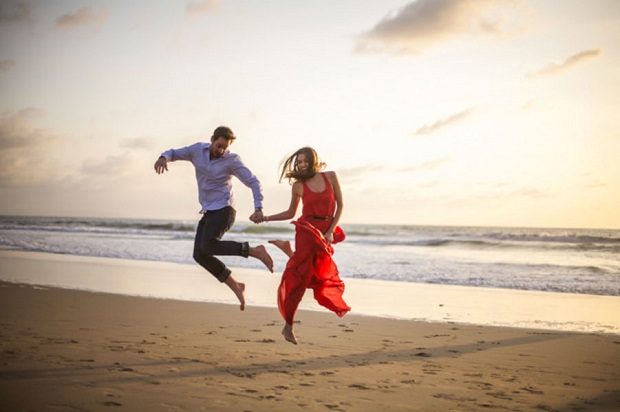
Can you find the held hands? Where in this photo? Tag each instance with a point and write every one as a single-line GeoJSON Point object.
{"type": "Point", "coordinates": [160, 165]}
{"type": "Point", "coordinates": [257, 217]}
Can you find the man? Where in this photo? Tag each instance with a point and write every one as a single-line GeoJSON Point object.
{"type": "Point", "coordinates": [215, 166]}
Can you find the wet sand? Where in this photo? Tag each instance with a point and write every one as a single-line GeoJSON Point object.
{"type": "Point", "coordinates": [398, 300]}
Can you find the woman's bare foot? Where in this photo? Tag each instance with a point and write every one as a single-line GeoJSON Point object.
{"type": "Point", "coordinates": [260, 253]}
{"type": "Point", "coordinates": [284, 246]}
{"type": "Point", "coordinates": [288, 334]}
{"type": "Point", "coordinates": [238, 288]}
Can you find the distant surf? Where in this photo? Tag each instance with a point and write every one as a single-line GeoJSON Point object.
{"type": "Point", "coordinates": [583, 261]}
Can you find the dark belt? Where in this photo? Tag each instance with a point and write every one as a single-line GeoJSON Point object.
{"type": "Point", "coordinates": [320, 217]}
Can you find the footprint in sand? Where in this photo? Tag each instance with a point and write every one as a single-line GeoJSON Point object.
{"type": "Point", "coordinates": [423, 354]}
{"type": "Point", "coordinates": [110, 403]}
{"type": "Point", "coordinates": [282, 387]}
{"type": "Point", "coordinates": [359, 386]}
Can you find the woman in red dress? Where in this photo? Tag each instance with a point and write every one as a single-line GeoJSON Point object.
{"type": "Point", "coordinates": [310, 266]}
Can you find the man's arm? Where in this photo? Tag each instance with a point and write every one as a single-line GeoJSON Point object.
{"type": "Point", "coordinates": [241, 172]}
{"type": "Point", "coordinates": [171, 155]}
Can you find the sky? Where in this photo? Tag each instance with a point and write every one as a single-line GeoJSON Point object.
{"type": "Point", "coordinates": [431, 112]}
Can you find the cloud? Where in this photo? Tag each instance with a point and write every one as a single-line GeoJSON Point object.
{"type": "Point", "coordinates": [6, 65]}
{"type": "Point", "coordinates": [138, 143]}
{"type": "Point", "coordinates": [532, 193]}
{"type": "Point", "coordinates": [431, 164]}
{"type": "Point", "coordinates": [84, 16]}
{"type": "Point", "coordinates": [15, 12]}
{"type": "Point", "coordinates": [197, 8]}
{"type": "Point", "coordinates": [32, 156]}
{"type": "Point", "coordinates": [354, 173]}
{"type": "Point", "coordinates": [422, 24]}
{"type": "Point", "coordinates": [556, 68]}
{"type": "Point", "coordinates": [430, 185]}
{"type": "Point", "coordinates": [528, 105]}
{"type": "Point", "coordinates": [189, 32]}
{"type": "Point", "coordinates": [442, 123]}
{"type": "Point", "coordinates": [17, 131]}
{"type": "Point", "coordinates": [25, 150]}
{"type": "Point", "coordinates": [112, 166]}
{"type": "Point", "coordinates": [596, 184]}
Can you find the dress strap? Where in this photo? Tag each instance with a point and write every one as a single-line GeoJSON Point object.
{"type": "Point", "coordinates": [326, 180]}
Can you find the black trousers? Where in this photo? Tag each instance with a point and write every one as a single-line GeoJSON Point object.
{"type": "Point", "coordinates": [207, 244]}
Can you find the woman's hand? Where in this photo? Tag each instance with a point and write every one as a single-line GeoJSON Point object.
{"type": "Point", "coordinates": [329, 237]}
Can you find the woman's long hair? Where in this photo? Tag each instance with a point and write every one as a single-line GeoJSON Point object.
{"type": "Point", "coordinates": [290, 171]}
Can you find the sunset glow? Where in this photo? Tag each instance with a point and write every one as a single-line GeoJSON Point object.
{"type": "Point", "coordinates": [432, 112]}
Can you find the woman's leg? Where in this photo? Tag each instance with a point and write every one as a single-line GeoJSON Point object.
{"type": "Point", "coordinates": [295, 280]}
{"type": "Point", "coordinates": [289, 335]}
{"type": "Point", "coordinates": [284, 246]}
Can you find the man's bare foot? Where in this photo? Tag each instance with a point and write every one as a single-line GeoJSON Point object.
{"type": "Point", "coordinates": [260, 253]}
{"type": "Point", "coordinates": [284, 246]}
{"type": "Point", "coordinates": [241, 295]}
{"type": "Point", "coordinates": [238, 288]}
{"type": "Point", "coordinates": [288, 334]}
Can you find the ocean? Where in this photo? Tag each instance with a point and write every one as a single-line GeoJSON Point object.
{"type": "Point", "coordinates": [582, 261]}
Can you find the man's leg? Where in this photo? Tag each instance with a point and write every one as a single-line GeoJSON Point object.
{"type": "Point", "coordinates": [208, 243]}
{"type": "Point", "coordinates": [211, 228]}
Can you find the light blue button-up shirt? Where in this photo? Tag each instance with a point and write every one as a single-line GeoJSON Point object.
{"type": "Point", "coordinates": [214, 176]}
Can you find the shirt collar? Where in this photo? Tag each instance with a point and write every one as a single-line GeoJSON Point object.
{"type": "Point", "coordinates": [206, 146]}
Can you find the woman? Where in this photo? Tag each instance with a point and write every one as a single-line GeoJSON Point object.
{"type": "Point", "coordinates": [311, 264]}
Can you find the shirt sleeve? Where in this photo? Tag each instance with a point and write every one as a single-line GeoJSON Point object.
{"type": "Point", "coordinates": [184, 153]}
{"type": "Point", "coordinates": [241, 172]}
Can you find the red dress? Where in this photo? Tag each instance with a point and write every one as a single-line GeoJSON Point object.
{"type": "Point", "coordinates": [312, 266]}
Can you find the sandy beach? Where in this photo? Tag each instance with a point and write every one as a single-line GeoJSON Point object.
{"type": "Point", "coordinates": [78, 350]}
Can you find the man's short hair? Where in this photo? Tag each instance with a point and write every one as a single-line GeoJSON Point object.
{"type": "Point", "coordinates": [224, 132]}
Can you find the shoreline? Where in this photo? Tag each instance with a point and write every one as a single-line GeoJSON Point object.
{"type": "Point", "coordinates": [383, 299]}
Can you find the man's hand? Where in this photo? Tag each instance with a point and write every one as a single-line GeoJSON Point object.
{"type": "Point", "coordinates": [257, 216]}
{"type": "Point", "coordinates": [160, 165]}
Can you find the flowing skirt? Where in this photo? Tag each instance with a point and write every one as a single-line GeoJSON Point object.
{"type": "Point", "coordinates": [311, 267]}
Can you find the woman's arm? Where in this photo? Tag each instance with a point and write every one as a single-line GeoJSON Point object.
{"type": "Point", "coordinates": [296, 193]}
{"type": "Point", "coordinates": [333, 179]}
